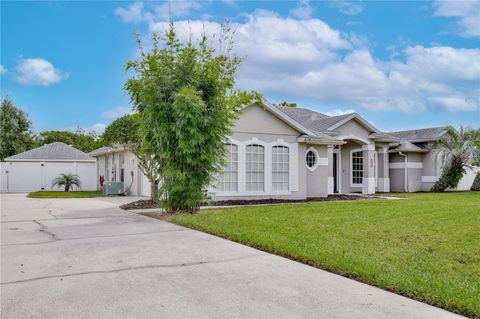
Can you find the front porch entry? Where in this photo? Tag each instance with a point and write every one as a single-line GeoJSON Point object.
{"type": "Point", "coordinates": [358, 168]}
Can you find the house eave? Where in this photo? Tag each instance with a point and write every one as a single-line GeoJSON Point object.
{"type": "Point", "coordinates": [284, 117]}
{"type": "Point", "coordinates": [319, 141]}
{"type": "Point", "coordinates": [408, 151]}
{"type": "Point", "coordinates": [110, 150]}
{"type": "Point", "coordinates": [49, 160]}
{"type": "Point", "coordinates": [357, 116]}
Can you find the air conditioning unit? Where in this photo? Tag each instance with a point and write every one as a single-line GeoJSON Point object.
{"type": "Point", "coordinates": [113, 188]}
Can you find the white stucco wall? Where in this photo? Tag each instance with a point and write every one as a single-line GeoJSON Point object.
{"type": "Point", "coordinates": [257, 125]}
{"type": "Point", "coordinates": [134, 183]}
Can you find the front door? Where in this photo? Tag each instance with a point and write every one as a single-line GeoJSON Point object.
{"type": "Point", "coordinates": [335, 172]}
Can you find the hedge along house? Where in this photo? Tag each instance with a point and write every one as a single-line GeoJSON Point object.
{"type": "Point", "coordinates": [296, 153]}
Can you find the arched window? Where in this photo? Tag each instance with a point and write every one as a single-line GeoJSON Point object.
{"type": "Point", "coordinates": [280, 168]}
{"type": "Point", "coordinates": [255, 168]}
{"type": "Point", "coordinates": [356, 159]}
{"type": "Point", "coordinates": [311, 159]}
{"type": "Point", "coordinates": [228, 181]}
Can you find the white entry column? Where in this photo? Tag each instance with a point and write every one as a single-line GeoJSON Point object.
{"type": "Point", "coordinates": [384, 178]}
{"type": "Point", "coordinates": [330, 169]}
{"type": "Point", "coordinates": [368, 184]}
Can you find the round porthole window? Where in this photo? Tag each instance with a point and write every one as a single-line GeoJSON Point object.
{"type": "Point", "coordinates": [311, 159]}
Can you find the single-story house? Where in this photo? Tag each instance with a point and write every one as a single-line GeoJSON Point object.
{"type": "Point", "coordinates": [34, 170]}
{"type": "Point", "coordinates": [296, 153]}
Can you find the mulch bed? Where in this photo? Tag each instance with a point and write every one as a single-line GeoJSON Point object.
{"type": "Point", "coordinates": [148, 203]}
{"type": "Point", "coordinates": [235, 202]}
{"type": "Point", "coordinates": [140, 204]}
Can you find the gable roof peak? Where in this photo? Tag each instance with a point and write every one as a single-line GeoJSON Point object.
{"type": "Point", "coordinates": [53, 151]}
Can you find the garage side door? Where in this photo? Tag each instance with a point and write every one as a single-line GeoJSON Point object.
{"type": "Point", "coordinates": [24, 177]}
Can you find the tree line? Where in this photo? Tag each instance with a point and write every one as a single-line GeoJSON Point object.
{"type": "Point", "coordinates": [16, 134]}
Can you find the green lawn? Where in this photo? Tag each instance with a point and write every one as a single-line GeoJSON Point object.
{"type": "Point", "coordinates": [56, 194]}
{"type": "Point", "coordinates": [426, 247]}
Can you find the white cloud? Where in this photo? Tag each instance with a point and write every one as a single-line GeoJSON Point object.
{"type": "Point", "coordinates": [347, 7]}
{"type": "Point", "coordinates": [179, 8]}
{"type": "Point", "coordinates": [117, 112]}
{"type": "Point", "coordinates": [303, 11]}
{"type": "Point", "coordinates": [138, 11]}
{"type": "Point", "coordinates": [308, 58]}
{"type": "Point", "coordinates": [267, 40]}
{"type": "Point", "coordinates": [337, 112]}
{"type": "Point", "coordinates": [457, 103]}
{"type": "Point", "coordinates": [38, 72]}
{"type": "Point", "coordinates": [466, 11]}
{"type": "Point", "coordinates": [134, 13]}
{"type": "Point", "coordinates": [98, 128]}
{"type": "Point", "coordinates": [3, 70]}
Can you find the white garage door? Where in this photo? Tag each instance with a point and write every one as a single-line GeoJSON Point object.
{"type": "Point", "coordinates": [19, 177]}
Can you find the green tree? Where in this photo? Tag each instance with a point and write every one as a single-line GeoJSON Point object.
{"type": "Point", "coordinates": [185, 93]}
{"type": "Point", "coordinates": [458, 149]}
{"type": "Point", "coordinates": [67, 181]}
{"type": "Point", "coordinates": [80, 139]}
{"type": "Point", "coordinates": [288, 104]}
{"type": "Point", "coordinates": [15, 130]}
{"type": "Point", "coordinates": [125, 131]}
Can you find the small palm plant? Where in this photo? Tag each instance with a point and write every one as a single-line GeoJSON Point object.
{"type": "Point", "coordinates": [67, 180]}
{"type": "Point", "coordinates": [458, 149]}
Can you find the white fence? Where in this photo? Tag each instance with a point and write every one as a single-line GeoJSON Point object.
{"type": "Point", "coordinates": [467, 180]}
{"type": "Point", "coordinates": [19, 177]}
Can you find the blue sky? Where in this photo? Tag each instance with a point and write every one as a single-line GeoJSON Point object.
{"type": "Point", "coordinates": [401, 65]}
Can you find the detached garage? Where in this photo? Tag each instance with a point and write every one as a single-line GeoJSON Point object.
{"type": "Point", "coordinates": [35, 170]}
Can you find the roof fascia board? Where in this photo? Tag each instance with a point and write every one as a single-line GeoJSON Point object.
{"type": "Point", "coordinates": [319, 141]}
{"type": "Point", "coordinates": [48, 160]}
{"type": "Point", "coordinates": [108, 151]}
{"type": "Point", "coordinates": [284, 117]}
{"type": "Point", "coordinates": [357, 116]}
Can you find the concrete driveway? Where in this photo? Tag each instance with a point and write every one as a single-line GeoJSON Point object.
{"type": "Point", "coordinates": [86, 258]}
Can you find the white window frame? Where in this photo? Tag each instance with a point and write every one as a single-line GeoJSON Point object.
{"type": "Point", "coordinates": [352, 184]}
{"type": "Point", "coordinates": [229, 160]}
{"type": "Point", "coordinates": [263, 162]}
{"type": "Point", "coordinates": [317, 158]}
{"type": "Point", "coordinates": [294, 158]}
{"type": "Point", "coordinates": [281, 171]}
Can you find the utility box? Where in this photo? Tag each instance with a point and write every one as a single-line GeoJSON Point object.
{"type": "Point", "coordinates": [113, 188]}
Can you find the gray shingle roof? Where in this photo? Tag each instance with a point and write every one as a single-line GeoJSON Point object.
{"type": "Point", "coordinates": [424, 134]}
{"type": "Point", "coordinates": [407, 147]}
{"type": "Point", "coordinates": [53, 151]}
{"type": "Point", "coordinates": [314, 121]}
{"type": "Point", "coordinates": [318, 122]}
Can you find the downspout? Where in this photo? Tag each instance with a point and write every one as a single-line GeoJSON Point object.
{"type": "Point", "coordinates": [405, 170]}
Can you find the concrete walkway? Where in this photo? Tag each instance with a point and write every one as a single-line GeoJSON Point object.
{"type": "Point", "coordinates": [86, 258]}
